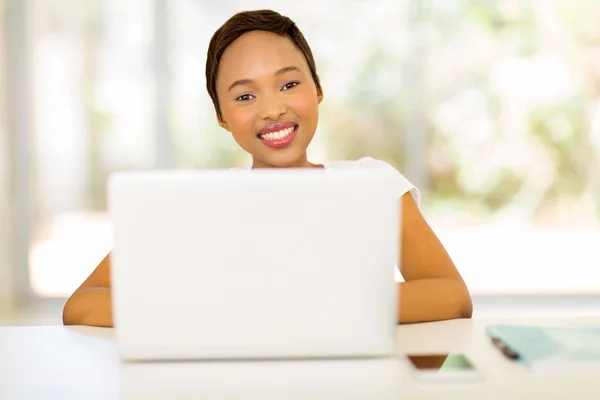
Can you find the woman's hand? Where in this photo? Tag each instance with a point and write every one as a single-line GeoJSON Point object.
{"type": "Point", "coordinates": [91, 303]}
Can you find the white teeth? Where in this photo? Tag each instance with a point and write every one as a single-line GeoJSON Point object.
{"type": "Point", "coordinates": [277, 135]}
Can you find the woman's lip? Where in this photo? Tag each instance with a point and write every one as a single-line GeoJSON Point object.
{"type": "Point", "coordinates": [277, 127]}
{"type": "Point", "coordinates": [280, 143]}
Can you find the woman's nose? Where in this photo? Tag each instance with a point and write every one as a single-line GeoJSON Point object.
{"type": "Point", "coordinates": [272, 107]}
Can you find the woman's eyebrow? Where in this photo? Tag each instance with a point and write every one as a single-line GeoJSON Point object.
{"type": "Point", "coordinates": [277, 73]}
{"type": "Point", "coordinates": [287, 69]}
{"type": "Point", "coordinates": [239, 82]}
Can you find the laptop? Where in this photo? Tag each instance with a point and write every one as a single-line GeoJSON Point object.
{"type": "Point", "coordinates": [261, 264]}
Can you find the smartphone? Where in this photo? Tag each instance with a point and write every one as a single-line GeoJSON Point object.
{"type": "Point", "coordinates": [448, 367]}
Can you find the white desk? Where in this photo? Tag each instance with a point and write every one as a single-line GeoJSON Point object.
{"type": "Point", "coordinates": [55, 362]}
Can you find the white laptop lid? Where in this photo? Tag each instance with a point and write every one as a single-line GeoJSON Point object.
{"type": "Point", "coordinates": [269, 263]}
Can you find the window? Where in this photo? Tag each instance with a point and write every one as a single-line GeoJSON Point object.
{"type": "Point", "coordinates": [492, 108]}
{"type": "Point", "coordinates": [512, 112]}
{"type": "Point", "coordinates": [93, 95]}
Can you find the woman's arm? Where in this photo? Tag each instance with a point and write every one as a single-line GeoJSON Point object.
{"type": "Point", "coordinates": [433, 289]}
{"type": "Point", "coordinates": [91, 303]}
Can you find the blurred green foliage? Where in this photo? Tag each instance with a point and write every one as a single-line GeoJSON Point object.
{"type": "Point", "coordinates": [509, 93]}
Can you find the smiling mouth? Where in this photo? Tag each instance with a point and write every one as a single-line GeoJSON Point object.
{"type": "Point", "coordinates": [279, 135]}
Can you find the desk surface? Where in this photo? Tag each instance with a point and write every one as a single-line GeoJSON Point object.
{"type": "Point", "coordinates": [82, 363]}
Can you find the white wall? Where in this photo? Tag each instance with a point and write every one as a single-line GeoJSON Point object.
{"type": "Point", "coordinates": [7, 291]}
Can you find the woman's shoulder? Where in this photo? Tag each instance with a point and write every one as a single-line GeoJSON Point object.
{"type": "Point", "coordinates": [404, 184]}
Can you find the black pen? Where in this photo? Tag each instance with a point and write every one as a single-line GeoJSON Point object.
{"type": "Point", "coordinates": [507, 351]}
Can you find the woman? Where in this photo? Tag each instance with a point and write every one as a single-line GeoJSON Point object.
{"type": "Point", "coordinates": [262, 78]}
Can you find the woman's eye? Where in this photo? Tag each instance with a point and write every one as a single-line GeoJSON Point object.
{"type": "Point", "coordinates": [290, 85]}
{"type": "Point", "coordinates": [245, 97]}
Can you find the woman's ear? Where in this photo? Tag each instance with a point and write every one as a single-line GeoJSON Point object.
{"type": "Point", "coordinates": [222, 123]}
{"type": "Point", "coordinates": [320, 96]}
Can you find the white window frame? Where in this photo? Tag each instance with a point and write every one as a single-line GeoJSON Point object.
{"type": "Point", "coordinates": [20, 107]}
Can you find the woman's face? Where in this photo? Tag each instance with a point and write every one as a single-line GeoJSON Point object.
{"type": "Point", "coordinates": [269, 101]}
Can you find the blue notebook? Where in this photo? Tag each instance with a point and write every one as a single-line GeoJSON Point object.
{"type": "Point", "coordinates": [550, 346]}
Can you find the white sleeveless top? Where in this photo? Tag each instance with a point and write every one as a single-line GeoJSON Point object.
{"type": "Point", "coordinates": [403, 185]}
